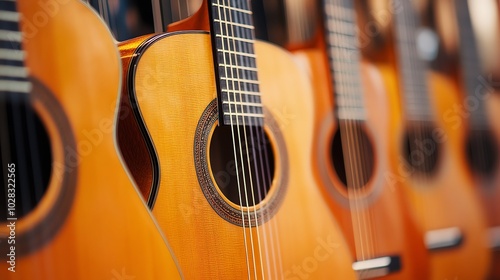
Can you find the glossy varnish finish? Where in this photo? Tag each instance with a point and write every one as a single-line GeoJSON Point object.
{"type": "Point", "coordinates": [206, 245]}
{"type": "Point", "coordinates": [108, 232]}
{"type": "Point", "coordinates": [442, 197]}
{"type": "Point", "coordinates": [392, 230]}
{"type": "Point", "coordinates": [447, 198]}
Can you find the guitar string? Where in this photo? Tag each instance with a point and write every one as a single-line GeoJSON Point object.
{"type": "Point", "coordinates": [408, 23]}
{"type": "Point", "coordinates": [263, 158]}
{"type": "Point", "coordinates": [243, 88]}
{"type": "Point", "coordinates": [349, 137]}
{"type": "Point", "coordinates": [244, 149]}
{"type": "Point", "coordinates": [244, 100]}
{"type": "Point", "coordinates": [233, 133]}
{"type": "Point", "coordinates": [362, 161]}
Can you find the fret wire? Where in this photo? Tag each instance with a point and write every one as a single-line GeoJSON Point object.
{"type": "Point", "coordinates": [235, 24]}
{"type": "Point", "coordinates": [10, 54]}
{"type": "Point", "coordinates": [244, 114]}
{"type": "Point", "coordinates": [9, 16]}
{"type": "Point", "coordinates": [13, 71]}
{"type": "Point", "coordinates": [242, 109]}
{"type": "Point", "coordinates": [15, 86]}
{"type": "Point", "coordinates": [239, 103]}
{"type": "Point", "coordinates": [234, 38]}
{"type": "Point", "coordinates": [341, 27]}
{"type": "Point", "coordinates": [339, 13]}
{"type": "Point", "coordinates": [242, 92]}
{"type": "Point", "coordinates": [239, 67]}
{"type": "Point", "coordinates": [253, 82]}
{"type": "Point", "coordinates": [233, 8]}
{"type": "Point", "coordinates": [238, 53]}
{"type": "Point", "coordinates": [10, 36]}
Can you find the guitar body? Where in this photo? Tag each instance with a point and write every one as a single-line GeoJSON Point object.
{"type": "Point", "coordinates": [177, 107]}
{"type": "Point", "coordinates": [447, 198]}
{"type": "Point", "coordinates": [91, 223]}
{"type": "Point", "coordinates": [390, 230]}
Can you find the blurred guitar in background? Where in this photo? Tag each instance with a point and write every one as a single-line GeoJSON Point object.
{"type": "Point", "coordinates": [480, 114]}
{"type": "Point", "coordinates": [429, 158]}
{"type": "Point", "coordinates": [351, 145]}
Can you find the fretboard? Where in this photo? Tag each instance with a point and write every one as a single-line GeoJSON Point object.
{"type": "Point", "coordinates": [470, 64]}
{"type": "Point", "coordinates": [413, 70]}
{"type": "Point", "coordinates": [233, 42]}
{"type": "Point", "coordinates": [344, 57]}
{"type": "Point", "coordinates": [13, 73]}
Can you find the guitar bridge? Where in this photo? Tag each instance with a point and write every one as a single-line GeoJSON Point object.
{"type": "Point", "coordinates": [377, 267]}
{"type": "Point", "coordinates": [446, 238]}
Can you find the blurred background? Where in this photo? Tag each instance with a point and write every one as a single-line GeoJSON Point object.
{"type": "Point", "coordinates": [292, 23]}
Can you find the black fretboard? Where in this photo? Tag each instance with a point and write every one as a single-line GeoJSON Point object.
{"type": "Point", "coordinates": [233, 40]}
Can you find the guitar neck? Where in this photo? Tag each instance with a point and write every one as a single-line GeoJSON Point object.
{"type": "Point", "coordinates": [412, 69]}
{"type": "Point", "coordinates": [344, 57]}
{"type": "Point", "coordinates": [470, 62]}
{"type": "Point", "coordinates": [13, 73]}
{"type": "Point", "coordinates": [233, 42]}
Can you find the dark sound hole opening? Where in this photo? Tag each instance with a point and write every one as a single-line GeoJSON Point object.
{"type": "Point", "coordinates": [256, 169]}
{"type": "Point", "coordinates": [420, 149]}
{"type": "Point", "coordinates": [24, 142]}
{"type": "Point", "coordinates": [482, 152]}
{"type": "Point", "coordinates": [352, 151]}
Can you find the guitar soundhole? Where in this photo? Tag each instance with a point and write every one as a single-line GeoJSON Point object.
{"type": "Point", "coordinates": [420, 150]}
{"type": "Point", "coordinates": [253, 167]}
{"type": "Point", "coordinates": [352, 155]}
{"type": "Point", "coordinates": [482, 152]}
{"type": "Point", "coordinates": [24, 142]}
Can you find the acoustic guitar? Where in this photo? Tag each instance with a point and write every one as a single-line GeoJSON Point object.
{"type": "Point", "coordinates": [352, 130]}
{"type": "Point", "coordinates": [483, 136]}
{"type": "Point", "coordinates": [226, 122]}
{"type": "Point", "coordinates": [429, 163]}
{"type": "Point", "coordinates": [68, 208]}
